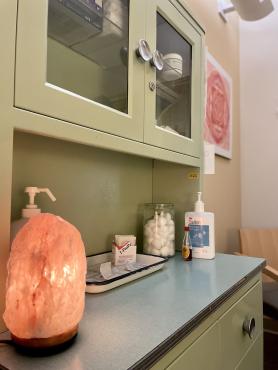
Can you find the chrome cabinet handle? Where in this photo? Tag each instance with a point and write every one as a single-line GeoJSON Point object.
{"type": "Point", "coordinates": [152, 85]}
{"type": "Point", "coordinates": [157, 60]}
{"type": "Point", "coordinates": [143, 51]}
{"type": "Point", "coordinates": [249, 326]}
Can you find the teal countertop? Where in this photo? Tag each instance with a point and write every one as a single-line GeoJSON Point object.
{"type": "Point", "coordinates": [124, 327]}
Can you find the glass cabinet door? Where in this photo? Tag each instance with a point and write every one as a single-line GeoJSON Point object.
{"type": "Point", "coordinates": [76, 61]}
{"type": "Point", "coordinates": [174, 94]}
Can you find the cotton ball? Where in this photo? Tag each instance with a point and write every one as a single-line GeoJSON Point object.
{"type": "Point", "coordinates": [157, 243]}
{"type": "Point", "coordinates": [148, 246]}
{"type": "Point", "coordinates": [172, 245]}
{"type": "Point", "coordinates": [147, 230]}
{"type": "Point", "coordinates": [171, 229]}
{"type": "Point", "coordinates": [163, 231]}
{"type": "Point", "coordinates": [164, 252]}
{"type": "Point", "coordinates": [171, 223]}
{"type": "Point", "coordinates": [153, 236]}
{"type": "Point", "coordinates": [149, 241]}
{"type": "Point", "coordinates": [154, 228]}
{"type": "Point", "coordinates": [171, 252]}
{"type": "Point", "coordinates": [171, 236]}
{"type": "Point", "coordinates": [149, 234]}
{"type": "Point", "coordinates": [167, 244]}
{"type": "Point", "coordinates": [162, 221]}
{"type": "Point", "coordinates": [155, 252]}
{"type": "Point", "coordinates": [164, 242]}
{"type": "Point", "coordinates": [168, 217]}
{"type": "Point", "coordinates": [150, 221]}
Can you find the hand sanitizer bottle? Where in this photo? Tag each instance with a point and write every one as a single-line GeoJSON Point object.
{"type": "Point", "coordinates": [201, 230]}
{"type": "Point", "coordinates": [30, 210]}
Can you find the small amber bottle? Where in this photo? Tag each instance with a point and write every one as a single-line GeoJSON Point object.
{"type": "Point", "coordinates": [186, 250]}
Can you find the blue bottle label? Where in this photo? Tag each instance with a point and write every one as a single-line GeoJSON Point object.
{"type": "Point", "coordinates": [199, 235]}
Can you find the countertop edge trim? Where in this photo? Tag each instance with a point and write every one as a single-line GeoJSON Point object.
{"type": "Point", "coordinates": [156, 354]}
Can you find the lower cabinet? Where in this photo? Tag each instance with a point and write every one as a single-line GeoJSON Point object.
{"type": "Point", "coordinates": [231, 338]}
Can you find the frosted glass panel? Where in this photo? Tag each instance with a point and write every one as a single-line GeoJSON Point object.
{"type": "Point", "coordinates": [173, 88]}
{"type": "Point", "coordinates": [88, 49]}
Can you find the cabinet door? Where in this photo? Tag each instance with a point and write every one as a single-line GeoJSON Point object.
{"type": "Point", "coordinates": [76, 61]}
{"type": "Point", "coordinates": [174, 107]}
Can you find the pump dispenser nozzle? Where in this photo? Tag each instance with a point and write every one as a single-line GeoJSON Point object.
{"type": "Point", "coordinates": [199, 204]}
{"type": "Point", "coordinates": [31, 208]}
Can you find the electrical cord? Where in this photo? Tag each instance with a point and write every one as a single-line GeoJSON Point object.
{"type": "Point", "coordinates": [6, 341]}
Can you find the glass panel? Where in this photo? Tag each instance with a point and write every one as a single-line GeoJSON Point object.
{"type": "Point", "coordinates": [173, 83]}
{"type": "Point", "coordinates": [88, 49]}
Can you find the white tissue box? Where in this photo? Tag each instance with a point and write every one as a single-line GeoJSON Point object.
{"type": "Point", "coordinates": [123, 250]}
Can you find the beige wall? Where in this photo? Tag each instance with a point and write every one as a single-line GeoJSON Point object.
{"type": "Point", "coordinates": [222, 190]}
{"type": "Point", "coordinates": [259, 117]}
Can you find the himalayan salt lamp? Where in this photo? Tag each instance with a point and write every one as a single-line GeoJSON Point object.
{"type": "Point", "coordinates": [46, 282]}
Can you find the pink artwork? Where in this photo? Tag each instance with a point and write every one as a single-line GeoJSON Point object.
{"type": "Point", "coordinates": [218, 121]}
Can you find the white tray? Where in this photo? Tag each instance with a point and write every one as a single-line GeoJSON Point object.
{"type": "Point", "coordinates": [152, 264]}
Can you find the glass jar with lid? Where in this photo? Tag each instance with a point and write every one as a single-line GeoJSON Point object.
{"type": "Point", "coordinates": [159, 229]}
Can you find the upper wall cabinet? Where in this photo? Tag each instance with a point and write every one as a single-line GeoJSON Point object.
{"type": "Point", "coordinates": [132, 68]}
{"type": "Point", "coordinates": [174, 108]}
{"type": "Point", "coordinates": [75, 61]}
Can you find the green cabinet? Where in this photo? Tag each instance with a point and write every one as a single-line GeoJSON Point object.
{"type": "Point", "coordinates": [221, 341]}
{"type": "Point", "coordinates": [78, 61]}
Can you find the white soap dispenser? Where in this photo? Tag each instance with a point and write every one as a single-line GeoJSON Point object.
{"type": "Point", "coordinates": [201, 230]}
{"type": "Point", "coordinates": [30, 210]}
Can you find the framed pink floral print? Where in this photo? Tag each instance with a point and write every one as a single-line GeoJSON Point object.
{"type": "Point", "coordinates": [218, 110]}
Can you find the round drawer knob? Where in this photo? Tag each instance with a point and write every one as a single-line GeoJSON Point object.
{"type": "Point", "coordinates": [249, 326]}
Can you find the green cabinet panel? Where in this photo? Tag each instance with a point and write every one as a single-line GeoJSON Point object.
{"type": "Point", "coordinates": [202, 354]}
{"type": "Point", "coordinates": [81, 66]}
{"type": "Point", "coordinates": [254, 357]}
